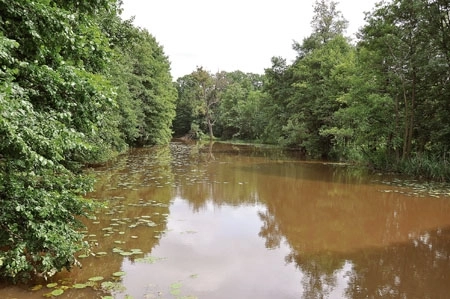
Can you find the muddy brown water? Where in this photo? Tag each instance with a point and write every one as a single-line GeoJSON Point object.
{"type": "Point", "coordinates": [237, 221]}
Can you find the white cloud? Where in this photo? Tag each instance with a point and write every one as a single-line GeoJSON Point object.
{"type": "Point", "coordinates": [231, 35]}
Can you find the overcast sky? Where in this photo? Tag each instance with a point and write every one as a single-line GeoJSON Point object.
{"type": "Point", "coordinates": [229, 35]}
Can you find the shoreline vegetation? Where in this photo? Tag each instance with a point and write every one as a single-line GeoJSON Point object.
{"type": "Point", "coordinates": [79, 85]}
{"type": "Point", "coordinates": [427, 168]}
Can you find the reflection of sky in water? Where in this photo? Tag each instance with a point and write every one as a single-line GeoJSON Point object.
{"type": "Point", "coordinates": [217, 253]}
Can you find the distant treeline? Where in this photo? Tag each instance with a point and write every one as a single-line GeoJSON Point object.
{"type": "Point", "coordinates": [383, 100]}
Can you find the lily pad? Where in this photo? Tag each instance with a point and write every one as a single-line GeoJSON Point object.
{"type": "Point", "coordinates": [96, 278]}
{"type": "Point", "coordinates": [52, 285]}
{"type": "Point", "coordinates": [113, 286]}
{"type": "Point", "coordinates": [57, 292]}
{"type": "Point", "coordinates": [119, 274]}
{"type": "Point", "coordinates": [148, 259]}
{"type": "Point", "coordinates": [175, 288]}
{"type": "Point", "coordinates": [79, 286]}
{"type": "Point", "coordinates": [37, 287]}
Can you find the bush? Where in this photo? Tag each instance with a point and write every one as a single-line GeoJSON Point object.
{"type": "Point", "coordinates": [41, 198]}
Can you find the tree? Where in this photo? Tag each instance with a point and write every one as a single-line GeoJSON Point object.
{"type": "Point", "coordinates": [408, 39]}
{"type": "Point", "coordinates": [327, 23]}
{"type": "Point", "coordinates": [76, 85]}
{"type": "Point", "coordinates": [278, 88]}
{"type": "Point", "coordinates": [187, 108]}
{"type": "Point", "coordinates": [152, 88]}
{"type": "Point", "coordinates": [199, 96]}
{"type": "Point", "coordinates": [52, 98]}
{"type": "Point", "coordinates": [239, 113]}
{"type": "Point", "coordinates": [304, 94]}
{"type": "Point", "coordinates": [209, 94]}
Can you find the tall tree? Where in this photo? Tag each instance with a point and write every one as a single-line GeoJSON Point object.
{"type": "Point", "coordinates": [278, 87]}
{"type": "Point", "coordinates": [327, 23]}
{"type": "Point", "coordinates": [412, 50]}
{"type": "Point", "coordinates": [188, 107]}
{"type": "Point", "coordinates": [239, 113]}
{"type": "Point", "coordinates": [199, 96]}
{"type": "Point", "coordinates": [152, 87]}
{"type": "Point", "coordinates": [306, 104]}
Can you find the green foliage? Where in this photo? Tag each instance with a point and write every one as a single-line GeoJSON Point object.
{"type": "Point", "coordinates": [141, 73]}
{"type": "Point", "coordinates": [327, 23]}
{"type": "Point", "coordinates": [383, 102]}
{"type": "Point", "coordinates": [239, 112]}
{"type": "Point", "coordinates": [303, 96]}
{"type": "Point", "coordinates": [60, 109]}
{"type": "Point", "coordinates": [153, 87]}
{"type": "Point", "coordinates": [404, 54]}
{"type": "Point", "coordinates": [426, 166]}
{"type": "Point", "coordinates": [278, 88]}
{"type": "Point", "coordinates": [40, 197]}
{"type": "Point", "coordinates": [199, 94]}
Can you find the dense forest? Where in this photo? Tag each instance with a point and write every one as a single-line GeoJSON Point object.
{"type": "Point", "coordinates": [79, 85]}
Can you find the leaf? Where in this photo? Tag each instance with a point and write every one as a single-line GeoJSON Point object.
{"type": "Point", "coordinates": [119, 274]}
{"type": "Point", "coordinates": [57, 292]}
{"type": "Point", "coordinates": [79, 286]}
{"type": "Point", "coordinates": [52, 285]}
{"type": "Point", "coordinates": [37, 287]}
{"type": "Point", "coordinates": [96, 278]}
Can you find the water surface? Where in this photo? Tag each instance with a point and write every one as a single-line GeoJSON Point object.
{"type": "Point", "coordinates": [229, 221]}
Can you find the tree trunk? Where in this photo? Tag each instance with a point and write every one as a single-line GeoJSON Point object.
{"type": "Point", "coordinates": [210, 127]}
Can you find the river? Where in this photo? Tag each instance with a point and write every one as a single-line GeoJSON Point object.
{"type": "Point", "coordinates": [238, 221]}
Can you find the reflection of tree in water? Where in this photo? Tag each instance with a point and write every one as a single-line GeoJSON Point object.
{"type": "Point", "coordinates": [416, 269]}
{"type": "Point", "coordinates": [318, 271]}
{"type": "Point", "coordinates": [343, 233]}
{"type": "Point", "coordinates": [343, 237]}
{"type": "Point", "coordinates": [270, 230]}
{"type": "Point", "coordinates": [201, 178]}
